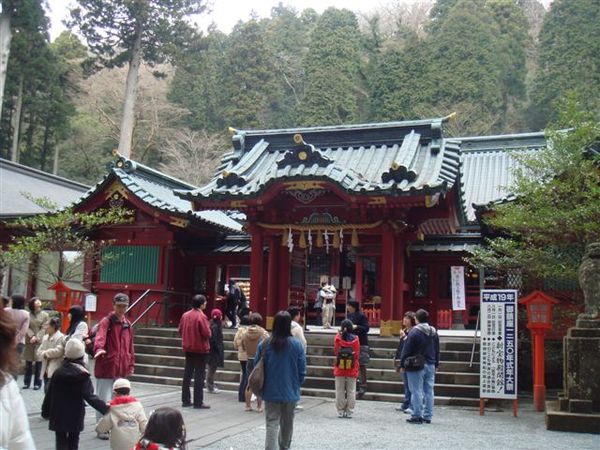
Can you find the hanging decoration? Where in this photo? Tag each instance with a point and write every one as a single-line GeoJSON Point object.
{"type": "Point", "coordinates": [290, 241]}
{"type": "Point", "coordinates": [341, 240]}
{"type": "Point", "coordinates": [309, 242]}
{"type": "Point", "coordinates": [302, 241]}
{"type": "Point", "coordinates": [284, 238]}
{"type": "Point", "coordinates": [354, 240]}
{"type": "Point", "coordinates": [326, 236]}
{"type": "Point", "coordinates": [319, 239]}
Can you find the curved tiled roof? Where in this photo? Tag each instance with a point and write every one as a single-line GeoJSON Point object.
{"type": "Point", "coordinates": [488, 166]}
{"type": "Point", "coordinates": [157, 190]}
{"type": "Point", "coordinates": [395, 158]}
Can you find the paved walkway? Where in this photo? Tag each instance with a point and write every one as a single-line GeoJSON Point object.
{"type": "Point", "coordinates": [226, 426]}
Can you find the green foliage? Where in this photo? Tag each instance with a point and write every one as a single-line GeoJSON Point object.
{"type": "Point", "coordinates": [333, 86]}
{"type": "Point", "coordinates": [111, 27]}
{"type": "Point", "coordinates": [569, 58]}
{"type": "Point", "coordinates": [60, 230]}
{"type": "Point", "coordinates": [557, 211]}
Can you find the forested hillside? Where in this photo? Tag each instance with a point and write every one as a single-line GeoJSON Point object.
{"type": "Point", "coordinates": [501, 65]}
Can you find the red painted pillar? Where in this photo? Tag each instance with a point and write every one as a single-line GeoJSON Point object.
{"type": "Point", "coordinates": [272, 269]}
{"type": "Point", "coordinates": [400, 257]}
{"type": "Point", "coordinates": [539, 385]}
{"type": "Point", "coordinates": [387, 273]}
{"type": "Point", "coordinates": [256, 271]}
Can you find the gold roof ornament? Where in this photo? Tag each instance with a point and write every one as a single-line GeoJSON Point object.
{"type": "Point", "coordinates": [298, 139]}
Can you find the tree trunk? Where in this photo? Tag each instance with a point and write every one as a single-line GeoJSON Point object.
{"type": "Point", "coordinates": [14, 154]}
{"type": "Point", "coordinates": [55, 165]}
{"type": "Point", "coordinates": [5, 37]}
{"type": "Point", "coordinates": [127, 122]}
{"type": "Point", "coordinates": [45, 145]}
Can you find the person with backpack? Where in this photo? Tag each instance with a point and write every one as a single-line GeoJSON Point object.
{"type": "Point", "coordinates": [361, 329]}
{"type": "Point", "coordinates": [420, 358]}
{"type": "Point", "coordinates": [346, 349]}
{"type": "Point", "coordinates": [126, 420]}
{"type": "Point", "coordinates": [284, 372]}
{"type": "Point", "coordinates": [64, 404]}
{"type": "Point", "coordinates": [217, 350]}
{"type": "Point", "coordinates": [113, 351]}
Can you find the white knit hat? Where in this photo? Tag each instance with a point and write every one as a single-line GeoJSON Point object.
{"type": "Point", "coordinates": [74, 349]}
{"type": "Point", "coordinates": [121, 383]}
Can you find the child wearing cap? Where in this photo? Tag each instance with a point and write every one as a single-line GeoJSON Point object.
{"type": "Point", "coordinates": [217, 350]}
{"type": "Point", "coordinates": [64, 405]}
{"type": "Point", "coordinates": [126, 420]}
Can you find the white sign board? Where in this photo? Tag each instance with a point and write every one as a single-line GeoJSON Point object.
{"type": "Point", "coordinates": [457, 276]}
{"type": "Point", "coordinates": [498, 346]}
{"type": "Point", "coordinates": [90, 302]}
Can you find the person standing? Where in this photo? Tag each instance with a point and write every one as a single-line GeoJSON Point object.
{"type": "Point", "coordinates": [78, 328]}
{"type": "Point", "coordinates": [284, 370]}
{"type": "Point", "coordinates": [361, 329]}
{"type": "Point", "coordinates": [217, 350]}
{"type": "Point", "coordinates": [64, 403]}
{"type": "Point", "coordinates": [422, 340]}
{"type": "Point", "coordinates": [253, 336]}
{"type": "Point", "coordinates": [51, 351]}
{"type": "Point", "coordinates": [346, 349]}
{"type": "Point", "coordinates": [318, 305]}
{"type": "Point", "coordinates": [329, 295]}
{"type": "Point", "coordinates": [38, 322]}
{"type": "Point", "coordinates": [297, 330]}
{"type": "Point", "coordinates": [113, 351]}
{"type": "Point", "coordinates": [20, 318]}
{"type": "Point", "coordinates": [14, 424]}
{"type": "Point", "coordinates": [408, 321]}
{"type": "Point", "coordinates": [231, 305]}
{"type": "Point", "coordinates": [242, 356]}
{"type": "Point", "coordinates": [194, 329]}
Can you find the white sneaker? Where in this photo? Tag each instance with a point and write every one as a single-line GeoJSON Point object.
{"type": "Point", "coordinates": [215, 391]}
{"type": "Point", "coordinates": [341, 414]}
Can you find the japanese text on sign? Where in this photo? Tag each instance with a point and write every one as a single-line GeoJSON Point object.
{"type": "Point", "coordinates": [498, 365]}
{"type": "Point", "coordinates": [457, 275]}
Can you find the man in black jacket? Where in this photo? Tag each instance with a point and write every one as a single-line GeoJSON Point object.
{"type": "Point", "coordinates": [422, 340]}
{"type": "Point", "coordinates": [361, 329]}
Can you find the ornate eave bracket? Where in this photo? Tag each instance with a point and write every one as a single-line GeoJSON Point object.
{"type": "Point", "coordinates": [303, 154]}
{"type": "Point", "coordinates": [230, 179]}
{"type": "Point", "coordinates": [398, 173]}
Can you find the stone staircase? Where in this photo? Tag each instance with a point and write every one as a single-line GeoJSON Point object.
{"type": "Point", "coordinates": [159, 359]}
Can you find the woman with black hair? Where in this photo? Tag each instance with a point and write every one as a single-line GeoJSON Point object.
{"type": "Point", "coordinates": [346, 350]}
{"type": "Point", "coordinates": [78, 328]}
{"type": "Point", "coordinates": [165, 431]}
{"type": "Point", "coordinates": [38, 322]}
{"type": "Point", "coordinates": [284, 371]}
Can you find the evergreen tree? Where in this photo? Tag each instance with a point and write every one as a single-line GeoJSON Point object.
{"type": "Point", "coordinates": [126, 33]}
{"type": "Point", "coordinates": [569, 58]}
{"type": "Point", "coordinates": [248, 78]}
{"type": "Point", "coordinates": [333, 89]}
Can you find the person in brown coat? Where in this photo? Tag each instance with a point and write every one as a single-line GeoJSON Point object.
{"type": "Point", "coordinates": [253, 336]}
{"type": "Point", "coordinates": [38, 321]}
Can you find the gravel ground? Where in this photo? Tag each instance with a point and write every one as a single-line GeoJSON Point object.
{"type": "Point", "coordinates": [376, 425]}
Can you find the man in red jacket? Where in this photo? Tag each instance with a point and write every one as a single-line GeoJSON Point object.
{"type": "Point", "coordinates": [113, 351]}
{"type": "Point", "coordinates": [195, 341]}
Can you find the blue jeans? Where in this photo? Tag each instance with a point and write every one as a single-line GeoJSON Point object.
{"type": "Point", "coordinates": [406, 402]}
{"type": "Point", "coordinates": [421, 390]}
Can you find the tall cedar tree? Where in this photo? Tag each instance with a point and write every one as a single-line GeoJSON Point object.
{"type": "Point", "coordinates": [569, 58]}
{"type": "Point", "coordinates": [126, 33]}
{"type": "Point", "coordinates": [248, 77]}
{"type": "Point", "coordinates": [333, 85]}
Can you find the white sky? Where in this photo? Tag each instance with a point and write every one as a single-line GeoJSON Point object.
{"type": "Point", "coordinates": [226, 13]}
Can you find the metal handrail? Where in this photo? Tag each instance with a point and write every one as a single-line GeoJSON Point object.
{"type": "Point", "coordinates": [145, 311]}
{"type": "Point", "coordinates": [138, 300]}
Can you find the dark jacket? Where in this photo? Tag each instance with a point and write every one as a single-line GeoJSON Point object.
{"type": "Point", "coordinates": [362, 326]}
{"type": "Point", "coordinates": [64, 402]}
{"type": "Point", "coordinates": [422, 340]}
{"type": "Point", "coordinates": [217, 350]}
{"type": "Point", "coordinates": [401, 343]}
{"type": "Point", "coordinates": [118, 343]}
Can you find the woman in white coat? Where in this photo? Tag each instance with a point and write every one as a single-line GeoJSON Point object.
{"type": "Point", "coordinates": [51, 351]}
{"type": "Point", "coordinates": [14, 424]}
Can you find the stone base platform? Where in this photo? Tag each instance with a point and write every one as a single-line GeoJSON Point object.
{"type": "Point", "coordinates": [557, 420]}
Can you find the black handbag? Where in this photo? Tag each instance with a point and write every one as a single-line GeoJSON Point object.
{"type": "Point", "coordinates": [417, 362]}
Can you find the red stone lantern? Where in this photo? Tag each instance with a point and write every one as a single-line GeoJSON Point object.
{"type": "Point", "coordinates": [539, 321]}
{"type": "Point", "coordinates": [67, 294]}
